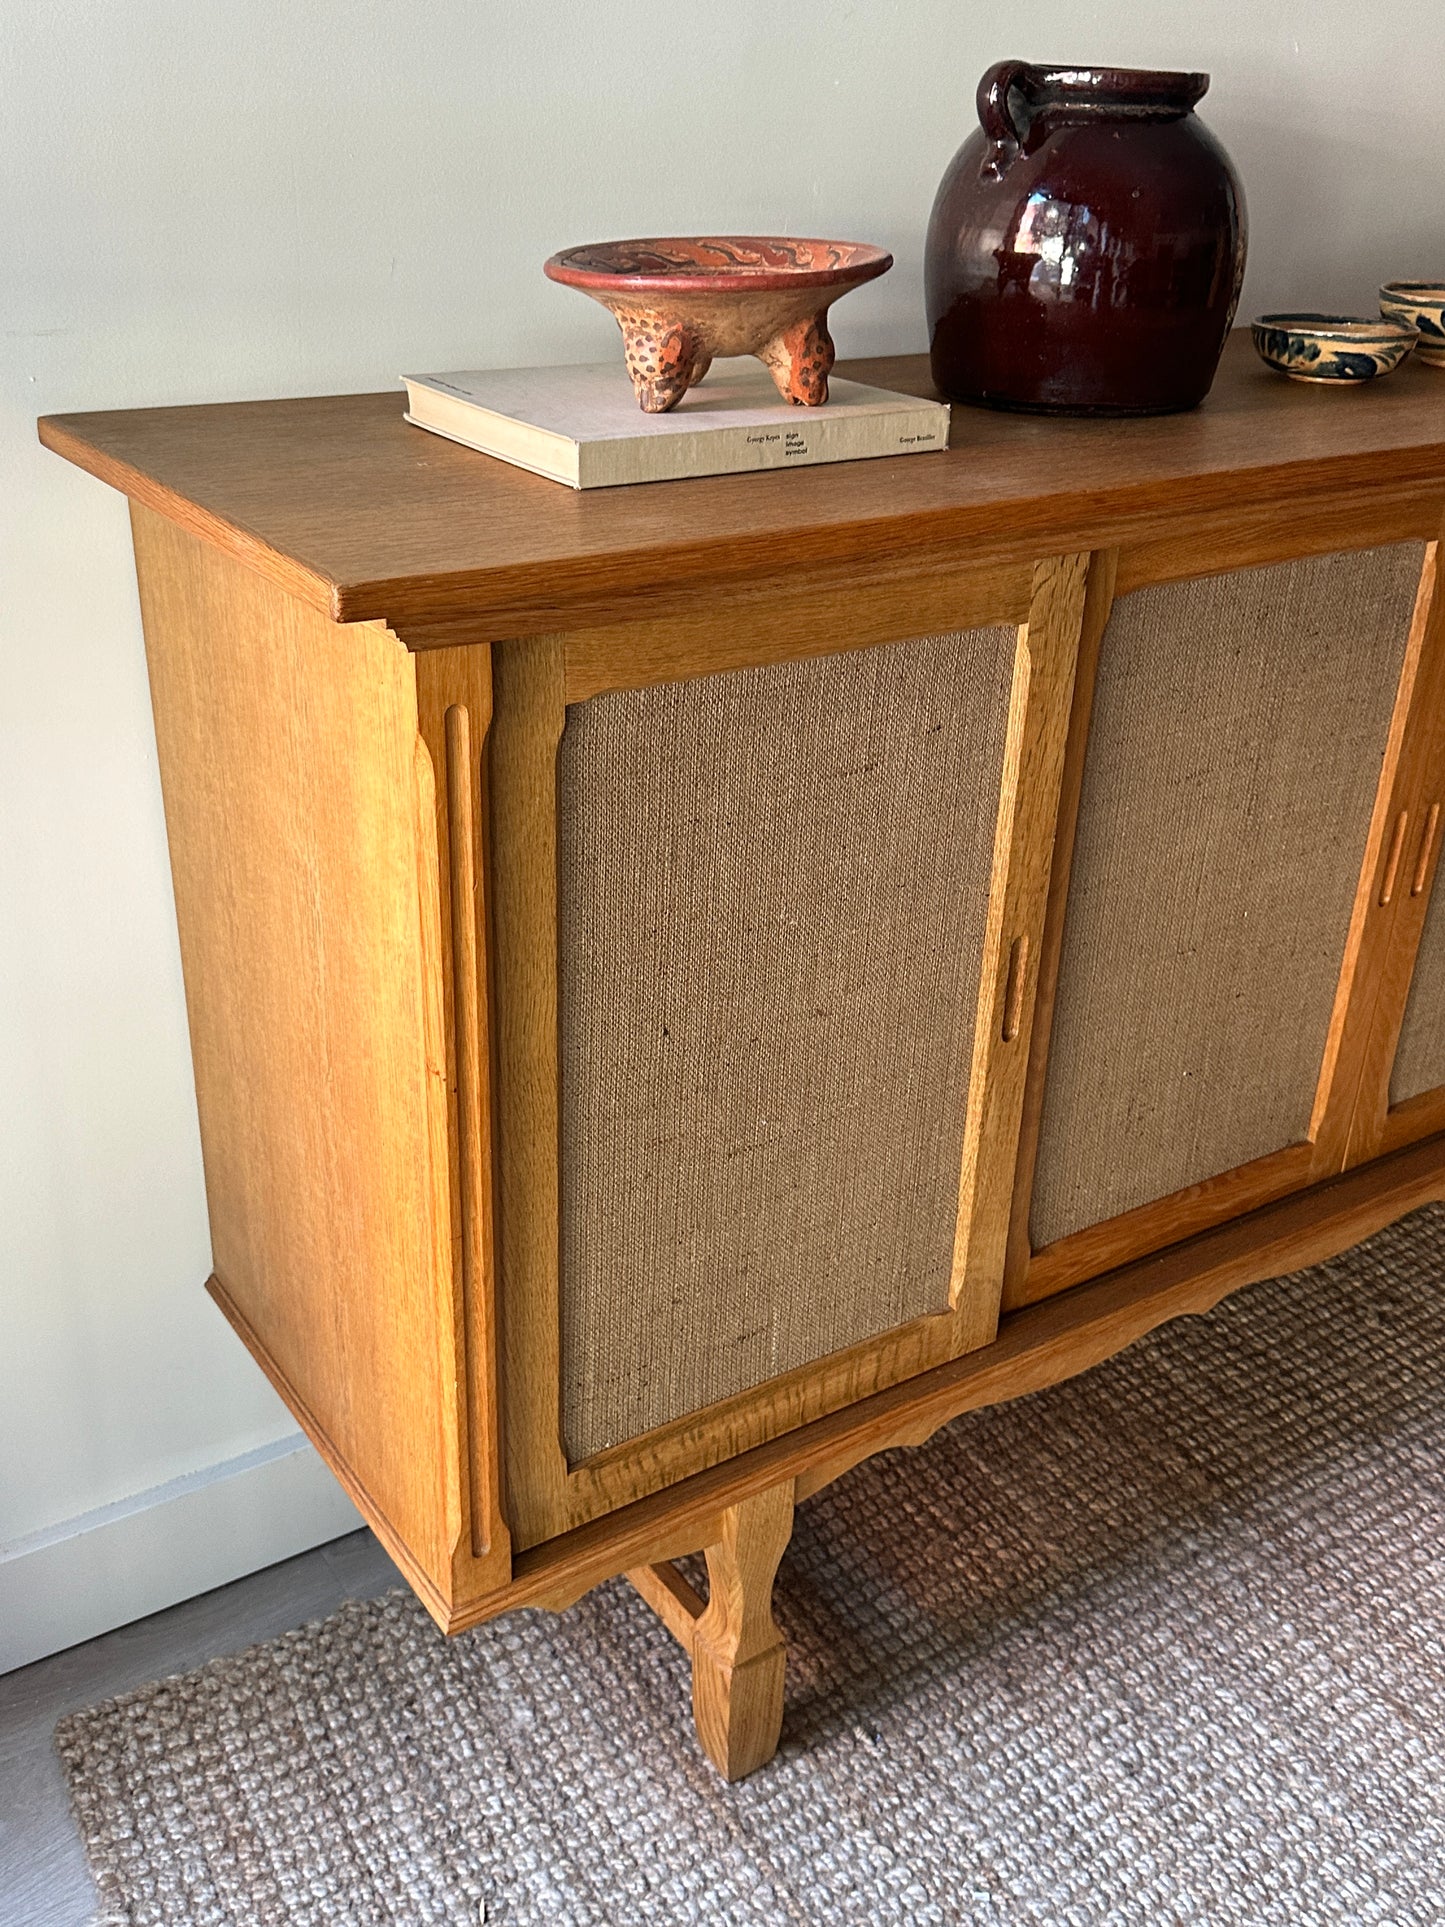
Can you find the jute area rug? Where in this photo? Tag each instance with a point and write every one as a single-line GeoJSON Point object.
{"type": "Point", "coordinates": [1166, 1643]}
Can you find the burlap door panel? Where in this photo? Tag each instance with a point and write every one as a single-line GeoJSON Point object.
{"type": "Point", "coordinates": [1239, 729]}
{"type": "Point", "coordinates": [772, 892]}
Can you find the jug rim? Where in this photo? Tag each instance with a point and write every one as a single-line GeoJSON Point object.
{"type": "Point", "coordinates": [1064, 92]}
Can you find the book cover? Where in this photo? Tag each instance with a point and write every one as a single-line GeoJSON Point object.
{"type": "Point", "coordinates": [581, 425]}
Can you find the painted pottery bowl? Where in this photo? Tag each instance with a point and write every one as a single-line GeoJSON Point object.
{"type": "Point", "coordinates": [1420, 305]}
{"type": "Point", "coordinates": [1331, 347]}
{"type": "Point", "coordinates": [682, 301]}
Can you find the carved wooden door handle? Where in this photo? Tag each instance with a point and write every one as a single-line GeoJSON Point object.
{"type": "Point", "coordinates": [1427, 849]}
{"type": "Point", "coordinates": [1392, 859]}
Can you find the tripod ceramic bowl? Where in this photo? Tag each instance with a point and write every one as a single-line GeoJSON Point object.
{"type": "Point", "coordinates": [1337, 348]}
{"type": "Point", "coordinates": [1419, 304]}
{"type": "Point", "coordinates": [680, 302]}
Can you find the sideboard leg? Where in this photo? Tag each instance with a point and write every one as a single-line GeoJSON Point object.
{"type": "Point", "coordinates": [737, 1651]}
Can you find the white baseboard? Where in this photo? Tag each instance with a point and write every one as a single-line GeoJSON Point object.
{"type": "Point", "coordinates": [122, 1561]}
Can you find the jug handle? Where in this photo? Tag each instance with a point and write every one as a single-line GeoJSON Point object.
{"type": "Point", "coordinates": [993, 92]}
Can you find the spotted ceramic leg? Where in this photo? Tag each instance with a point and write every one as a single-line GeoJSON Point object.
{"type": "Point", "coordinates": [664, 359]}
{"type": "Point", "coordinates": [738, 1655]}
{"type": "Point", "coordinates": [798, 360]}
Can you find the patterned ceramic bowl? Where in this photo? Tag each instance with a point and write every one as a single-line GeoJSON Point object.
{"type": "Point", "coordinates": [681, 301]}
{"type": "Point", "coordinates": [1420, 305]}
{"type": "Point", "coordinates": [1331, 347]}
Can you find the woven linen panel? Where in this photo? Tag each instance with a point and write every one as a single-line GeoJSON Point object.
{"type": "Point", "coordinates": [1420, 1055]}
{"type": "Point", "coordinates": [1238, 733]}
{"type": "Point", "coordinates": [772, 893]}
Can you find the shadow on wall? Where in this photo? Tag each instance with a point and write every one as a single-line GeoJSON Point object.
{"type": "Point", "coordinates": [1321, 236]}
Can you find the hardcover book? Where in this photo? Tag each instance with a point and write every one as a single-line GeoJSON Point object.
{"type": "Point", "coordinates": [582, 425]}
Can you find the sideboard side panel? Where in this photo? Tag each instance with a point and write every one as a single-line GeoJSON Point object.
{"type": "Point", "coordinates": [289, 764]}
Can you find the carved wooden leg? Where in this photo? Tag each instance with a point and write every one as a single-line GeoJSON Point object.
{"type": "Point", "coordinates": [738, 1654]}
{"type": "Point", "coordinates": [736, 1649]}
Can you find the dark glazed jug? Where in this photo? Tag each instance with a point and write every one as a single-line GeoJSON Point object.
{"type": "Point", "coordinates": [1086, 247]}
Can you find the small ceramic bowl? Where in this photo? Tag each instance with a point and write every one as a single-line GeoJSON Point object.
{"type": "Point", "coordinates": [1337, 348]}
{"type": "Point", "coordinates": [1420, 305]}
{"type": "Point", "coordinates": [680, 302]}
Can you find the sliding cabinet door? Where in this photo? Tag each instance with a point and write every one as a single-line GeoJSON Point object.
{"type": "Point", "coordinates": [768, 893]}
{"type": "Point", "coordinates": [1216, 946]}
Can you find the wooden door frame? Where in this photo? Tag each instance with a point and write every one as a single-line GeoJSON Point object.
{"type": "Point", "coordinates": [533, 681]}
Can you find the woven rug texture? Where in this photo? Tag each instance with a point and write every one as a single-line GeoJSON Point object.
{"type": "Point", "coordinates": [1165, 1643]}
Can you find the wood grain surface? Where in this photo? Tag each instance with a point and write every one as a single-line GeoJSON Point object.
{"type": "Point", "coordinates": [301, 823]}
{"type": "Point", "coordinates": [738, 1656]}
{"type": "Point", "coordinates": [454, 712]}
{"type": "Point", "coordinates": [528, 717]}
{"type": "Point", "coordinates": [342, 503]}
{"type": "Point", "coordinates": [1046, 658]}
{"type": "Point", "coordinates": [1411, 796]}
{"type": "Point", "coordinates": [1098, 602]}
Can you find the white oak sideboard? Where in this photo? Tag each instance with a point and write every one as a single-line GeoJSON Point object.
{"type": "Point", "coordinates": [696, 984]}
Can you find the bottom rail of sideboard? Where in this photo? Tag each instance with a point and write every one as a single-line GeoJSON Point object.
{"type": "Point", "coordinates": [1035, 1347]}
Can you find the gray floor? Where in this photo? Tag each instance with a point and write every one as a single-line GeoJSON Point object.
{"type": "Point", "coordinates": [43, 1877]}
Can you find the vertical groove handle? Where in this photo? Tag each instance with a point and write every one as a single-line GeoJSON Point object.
{"type": "Point", "coordinates": [471, 1071]}
{"type": "Point", "coordinates": [1013, 991]}
{"type": "Point", "coordinates": [1427, 850]}
{"type": "Point", "coordinates": [1392, 860]}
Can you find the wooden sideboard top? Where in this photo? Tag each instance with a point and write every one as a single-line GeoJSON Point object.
{"type": "Point", "coordinates": [341, 502]}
